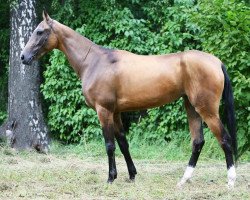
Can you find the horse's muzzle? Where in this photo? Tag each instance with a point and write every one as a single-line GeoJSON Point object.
{"type": "Point", "coordinates": [26, 59]}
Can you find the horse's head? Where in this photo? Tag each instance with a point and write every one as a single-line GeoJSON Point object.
{"type": "Point", "coordinates": [42, 40]}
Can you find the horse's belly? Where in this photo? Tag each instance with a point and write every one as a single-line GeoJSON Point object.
{"type": "Point", "coordinates": [140, 98]}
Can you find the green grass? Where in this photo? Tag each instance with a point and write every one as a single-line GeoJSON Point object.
{"type": "Point", "coordinates": [172, 151]}
{"type": "Point", "coordinates": [80, 172]}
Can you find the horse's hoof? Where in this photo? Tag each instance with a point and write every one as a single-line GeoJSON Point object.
{"type": "Point", "coordinates": [179, 185]}
{"type": "Point", "coordinates": [111, 178]}
{"type": "Point", "coordinates": [129, 180]}
{"type": "Point", "coordinates": [132, 174]}
{"type": "Point", "coordinates": [132, 177]}
{"type": "Point", "coordinates": [110, 181]}
{"type": "Point", "coordinates": [230, 185]}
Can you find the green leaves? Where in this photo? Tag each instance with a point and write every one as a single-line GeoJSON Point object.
{"type": "Point", "coordinates": [225, 32]}
{"type": "Point", "coordinates": [4, 58]}
{"type": "Point", "coordinates": [3, 116]}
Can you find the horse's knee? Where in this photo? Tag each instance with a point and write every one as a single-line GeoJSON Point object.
{"type": "Point", "coordinates": [110, 148]}
{"type": "Point", "coordinates": [198, 144]}
{"type": "Point", "coordinates": [108, 133]}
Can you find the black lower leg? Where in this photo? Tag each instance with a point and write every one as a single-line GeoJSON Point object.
{"type": "Point", "coordinates": [227, 148]}
{"type": "Point", "coordinates": [108, 133]}
{"type": "Point", "coordinates": [124, 146]}
{"type": "Point", "coordinates": [110, 148]}
{"type": "Point", "coordinates": [197, 147]}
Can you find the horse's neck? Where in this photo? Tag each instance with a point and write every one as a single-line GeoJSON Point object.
{"type": "Point", "coordinates": [73, 45]}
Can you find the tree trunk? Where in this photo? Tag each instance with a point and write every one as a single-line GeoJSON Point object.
{"type": "Point", "coordinates": [25, 127]}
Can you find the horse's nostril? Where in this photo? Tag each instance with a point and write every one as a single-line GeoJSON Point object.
{"type": "Point", "coordinates": [22, 57]}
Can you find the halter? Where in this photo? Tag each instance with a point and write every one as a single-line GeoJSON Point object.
{"type": "Point", "coordinates": [85, 57]}
{"type": "Point", "coordinates": [87, 52]}
{"type": "Point", "coordinates": [50, 25]}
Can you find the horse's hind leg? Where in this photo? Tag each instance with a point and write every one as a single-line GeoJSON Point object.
{"type": "Point", "coordinates": [124, 146]}
{"type": "Point", "coordinates": [216, 126]}
{"type": "Point", "coordinates": [209, 111]}
{"type": "Point", "coordinates": [196, 129]}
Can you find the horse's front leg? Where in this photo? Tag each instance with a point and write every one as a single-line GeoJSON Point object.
{"type": "Point", "coordinates": [124, 146]}
{"type": "Point", "coordinates": [107, 122]}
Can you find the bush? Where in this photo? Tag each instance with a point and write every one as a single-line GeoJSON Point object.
{"type": "Point", "coordinates": [225, 32]}
{"type": "Point", "coordinates": [4, 58]}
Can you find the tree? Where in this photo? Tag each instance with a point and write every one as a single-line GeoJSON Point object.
{"type": "Point", "coordinates": [25, 127]}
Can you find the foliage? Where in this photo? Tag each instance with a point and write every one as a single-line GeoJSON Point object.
{"type": "Point", "coordinates": [3, 116]}
{"type": "Point", "coordinates": [225, 32]}
{"type": "Point", "coordinates": [4, 54]}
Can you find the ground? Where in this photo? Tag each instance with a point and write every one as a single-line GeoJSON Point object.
{"type": "Point", "coordinates": [71, 175]}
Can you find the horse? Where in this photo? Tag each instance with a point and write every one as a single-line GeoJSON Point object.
{"type": "Point", "coordinates": [116, 81]}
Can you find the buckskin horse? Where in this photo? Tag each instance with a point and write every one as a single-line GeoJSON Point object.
{"type": "Point", "coordinates": [114, 81]}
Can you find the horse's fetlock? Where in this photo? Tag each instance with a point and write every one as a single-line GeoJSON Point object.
{"type": "Point", "coordinates": [132, 170]}
{"type": "Point", "coordinates": [113, 173]}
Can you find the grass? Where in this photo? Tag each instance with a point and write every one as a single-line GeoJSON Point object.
{"type": "Point", "coordinates": [80, 172]}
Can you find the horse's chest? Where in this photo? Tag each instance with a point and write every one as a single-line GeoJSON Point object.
{"type": "Point", "coordinates": [89, 96]}
{"type": "Point", "coordinates": [101, 95]}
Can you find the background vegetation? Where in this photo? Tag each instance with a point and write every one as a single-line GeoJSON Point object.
{"type": "Point", "coordinates": [220, 27]}
{"type": "Point", "coordinates": [4, 54]}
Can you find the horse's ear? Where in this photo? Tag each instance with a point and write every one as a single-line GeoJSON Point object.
{"type": "Point", "coordinates": [46, 16]}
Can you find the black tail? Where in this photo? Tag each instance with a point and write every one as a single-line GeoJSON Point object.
{"type": "Point", "coordinates": [228, 98]}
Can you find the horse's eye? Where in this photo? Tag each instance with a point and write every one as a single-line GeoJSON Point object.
{"type": "Point", "coordinates": [39, 32]}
